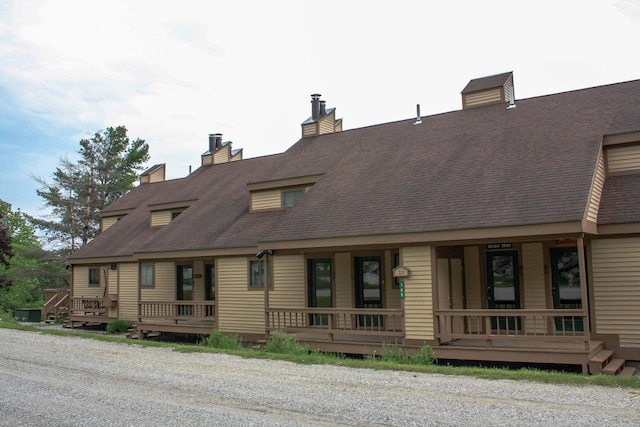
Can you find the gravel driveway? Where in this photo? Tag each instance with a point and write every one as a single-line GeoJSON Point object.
{"type": "Point", "coordinates": [67, 381]}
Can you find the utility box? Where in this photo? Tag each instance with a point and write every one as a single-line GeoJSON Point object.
{"type": "Point", "coordinates": [28, 314]}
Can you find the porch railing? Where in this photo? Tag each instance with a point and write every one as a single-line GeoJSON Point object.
{"type": "Point", "coordinates": [526, 324]}
{"type": "Point", "coordinates": [378, 322]}
{"type": "Point", "coordinates": [92, 306]}
{"type": "Point", "coordinates": [178, 310]}
{"type": "Point", "coordinates": [56, 304]}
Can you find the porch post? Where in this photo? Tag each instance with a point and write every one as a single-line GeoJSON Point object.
{"type": "Point", "coordinates": [584, 295]}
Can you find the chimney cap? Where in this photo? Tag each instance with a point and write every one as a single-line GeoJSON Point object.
{"type": "Point", "coordinates": [315, 96]}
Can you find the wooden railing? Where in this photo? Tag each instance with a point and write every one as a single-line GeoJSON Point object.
{"type": "Point", "coordinates": [378, 322]}
{"type": "Point", "coordinates": [56, 304]}
{"type": "Point", "coordinates": [92, 306]}
{"type": "Point", "coordinates": [494, 324]}
{"type": "Point", "coordinates": [178, 310]}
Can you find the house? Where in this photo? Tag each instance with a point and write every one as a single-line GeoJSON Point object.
{"type": "Point", "coordinates": [507, 231]}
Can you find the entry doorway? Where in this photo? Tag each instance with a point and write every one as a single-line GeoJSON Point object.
{"type": "Point", "coordinates": [566, 287]}
{"type": "Point", "coordinates": [368, 276]}
{"type": "Point", "coordinates": [503, 287]}
{"type": "Point", "coordinates": [184, 282]}
{"type": "Point", "coordinates": [320, 289]}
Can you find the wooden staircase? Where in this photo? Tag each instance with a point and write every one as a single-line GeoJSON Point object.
{"type": "Point", "coordinates": [604, 362]}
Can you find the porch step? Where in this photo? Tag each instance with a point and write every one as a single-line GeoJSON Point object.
{"type": "Point", "coordinates": [628, 371]}
{"type": "Point", "coordinates": [599, 361]}
{"type": "Point", "coordinates": [614, 367]}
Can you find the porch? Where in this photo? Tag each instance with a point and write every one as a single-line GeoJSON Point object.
{"type": "Point", "coordinates": [189, 317]}
{"type": "Point", "coordinates": [91, 309]}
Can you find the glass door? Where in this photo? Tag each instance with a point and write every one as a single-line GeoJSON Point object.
{"type": "Point", "coordinates": [566, 287]}
{"type": "Point", "coordinates": [368, 288]}
{"type": "Point", "coordinates": [209, 287]}
{"type": "Point", "coordinates": [320, 291]}
{"type": "Point", "coordinates": [503, 287]}
{"type": "Point", "coordinates": [184, 289]}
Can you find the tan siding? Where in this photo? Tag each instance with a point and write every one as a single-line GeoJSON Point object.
{"type": "Point", "coordinates": [108, 222]}
{"type": "Point", "coordinates": [164, 281]}
{"type": "Point", "coordinates": [327, 123]}
{"type": "Point", "coordinates": [288, 282]}
{"type": "Point", "coordinates": [309, 129]}
{"type": "Point", "coordinates": [222, 155]}
{"type": "Point", "coordinates": [128, 291]}
{"type": "Point", "coordinates": [473, 283]}
{"type": "Point", "coordinates": [616, 288]}
{"type": "Point", "coordinates": [418, 304]}
{"type": "Point", "coordinates": [198, 282]}
{"type": "Point", "coordinates": [240, 310]}
{"type": "Point", "coordinates": [157, 176]}
{"type": "Point", "coordinates": [623, 159]}
{"type": "Point", "coordinates": [81, 286]}
{"type": "Point", "coordinates": [207, 160]}
{"type": "Point", "coordinates": [269, 199]}
{"type": "Point", "coordinates": [236, 157]}
{"type": "Point", "coordinates": [112, 288]}
{"type": "Point", "coordinates": [596, 191]}
{"type": "Point", "coordinates": [159, 218]}
{"type": "Point", "coordinates": [392, 292]}
{"type": "Point", "coordinates": [484, 97]}
{"type": "Point", "coordinates": [343, 284]}
{"type": "Point", "coordinates": [534, 283]}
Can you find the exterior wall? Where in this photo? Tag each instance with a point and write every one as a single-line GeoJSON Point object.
{"type": "Point", "coordinates": [269, 199]}
{"type": "Point", "coordinates": [109, 221]}
{"type": "Point", "coordinates": [128, 291]}
{"type": "Point", "coordinates": [309, 129]}
{"type": "Point", "coordinates": [222, 155]}
{"type": "Point", "coordinates": [164, 281]}
{"type": "Point", "coordinates": [81, 286]}
{"type": "Point", "coordinates": [418, 304]}
{"type": "Point", "coordinates": [198, 282]}
{"type": "Point", "coordinates": [392, 293]}
{"type": "Point", "coordinates": [534, 282]}
{"type": "Point", "coordinates": [240, 310]}
{"type": "Point", "coordinates": [159, 218]}
{"type": "Point", "coordinates": [616, 288]}
{"type": "Point", "coordinates": [623, 159]}
{"type": "Point", "coordinates": [485, 97]}
{"type": "Point", "coordinates": [207, 160]}
{"type": "Point", "coordinates": [343, 282]}
{"type": "Point", "coordinates": [327, 123]}
{"type": "Point", "coordinates": [288, 282]}
{"type": "Point", "coordinates": [473, 283]}
{"type": "Point", "coordinates": [596, 191]}
{"type": "Point", "coordinates": [112, 289]}
{"type": "Point", "coordinates": [157, 176]}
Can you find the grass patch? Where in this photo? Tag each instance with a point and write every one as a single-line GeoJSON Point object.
{"type": "Point", "coordinates": [222, 341]}
{"type": "Point", "coordinates": [408, 363]}
{"type": "Point", "coordinates": [118, 326]}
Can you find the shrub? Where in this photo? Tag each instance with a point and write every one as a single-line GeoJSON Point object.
{"type": "Point", "coordinates": [279, 342]}
{"type": "Point", "coordinates": [426, 356]}
{"type": "Point", "coordinates": [393, 352]}
{"type": "Point", "coordinates": [118, 326]}
{"type": "Point", "coordinates": [222, 341]}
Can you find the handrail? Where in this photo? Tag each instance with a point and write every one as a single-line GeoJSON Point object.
{"type": "Point", "coordinates": [178, 310]}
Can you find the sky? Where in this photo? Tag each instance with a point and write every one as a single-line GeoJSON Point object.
{"type": "Point", "coordinates": [174, 72]}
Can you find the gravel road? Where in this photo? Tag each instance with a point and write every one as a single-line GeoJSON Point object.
{"type": "Point", "coordinates": [67, 381]}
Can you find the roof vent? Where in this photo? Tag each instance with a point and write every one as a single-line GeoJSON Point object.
{"type": "Point", "coordinates": [418, 116]}
{"type": "Point", "coordinates": [512, 98]}
{"type": "Point", "coordinates": [488, 90]}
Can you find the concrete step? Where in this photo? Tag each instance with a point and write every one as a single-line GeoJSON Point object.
{"type": "Point", "coordinates": [599, 361]}
{"type": "Point", "coordinates": [628, 371]}
{"type": "Point", "coordinates": [614, 367]}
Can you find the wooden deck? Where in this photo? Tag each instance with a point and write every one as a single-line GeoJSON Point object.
{"type": "Point", "coordinates": [186, 317]}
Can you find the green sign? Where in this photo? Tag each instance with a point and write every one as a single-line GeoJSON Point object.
{"type": "Point", "coordinates": [401, 284]}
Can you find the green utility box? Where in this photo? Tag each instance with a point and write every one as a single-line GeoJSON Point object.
{"type": "Point", "coordinates": [28, 314]}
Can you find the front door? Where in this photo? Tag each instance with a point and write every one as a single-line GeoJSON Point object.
{"type": "Point", "coordinates": [368, 274]}
{"type": "Point", "coordinates": [210, 287]}
{"type": "Point", "coordinates": [184, 281]}
{"type": "Point", "coordinates": [503, 287]}
{"type": "Point", "coordinates": [566, 287]}
{"type": "Point", "coordinates": [320, 293]}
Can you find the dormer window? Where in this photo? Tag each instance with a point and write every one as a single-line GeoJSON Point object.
{"type": "Point", "coordinates": [290, 198]}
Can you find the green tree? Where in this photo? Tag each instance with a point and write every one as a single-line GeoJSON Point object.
{"type": "Point", "coordinates": [6, 251]}
{"type": "Point", "coordinates": [107, 168]}
{"type": "Point", "coordinates": [32, 269]}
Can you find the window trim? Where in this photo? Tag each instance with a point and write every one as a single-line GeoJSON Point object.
{"type": "Point", "coordinates": [153, 275]}
{"type": "Point", "coordinates": [249, 278]}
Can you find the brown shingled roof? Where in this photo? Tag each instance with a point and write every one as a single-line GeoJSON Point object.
{"type": "Point", "coordinates": [469, 169]}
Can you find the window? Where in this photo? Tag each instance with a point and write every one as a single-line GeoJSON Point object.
{"type": "Point", "coordinates": [146, 275]}
{"type": "Point", "coordinates": [94, 276]}
{"type": "Point", "coordinates": [290, 198]}
{"type": "Point", "coordinates": [256, 274]}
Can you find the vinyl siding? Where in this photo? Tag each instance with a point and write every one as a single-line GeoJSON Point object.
{"type": "Point", "coordinates": [418, 302]}
{"type": "Point", "coordinates": [596, 192]}
{"type": "Point", "coordinates": [128, 292]}
{"type": "Point", "coordinates": [157, 176]}
{"type": "Point", "coordinates": [81, 286]}
{"type": "Point", "coordinates": [222, 155]}
{"type": "Point", "coordinates": [616, 288]}
{"type": "Point", "coordinates": [309, 129]}
{"type": "Point", "coordinates": [534, 283]}
{"type": "Point", "coordinates": [268, 199]}
{"type": "Point", "coordinates": [207, 160]}
{"type": "Point", "coordinates": [108, 222]}
{"type": "Point", "coordinates": [327, 123]}
{"type": "Point", "coordinates": [288, 282]}
{"type": "Point", "coordinates": [392, 293]}
{"type": "Point", "coordinates": [343, 284]}
{"type": "Point", "coordinates": [240, 310]}
{"type": "Point", "coordinates": [485, 97]}
{"type": "Point", "coordinates": [160, 218]}
{"type": "Point", "coordinates": [623, 159]}
{"type": "Point", "coordinates": [164, 281]}
{"type": "Point", "coordinates": [473, 290]}
{"type": "Point", "coordinates": [112, 288]}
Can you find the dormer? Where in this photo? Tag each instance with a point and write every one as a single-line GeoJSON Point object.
{"type": "Point", "coordinates": [219, 151]}
{"type": "Point", "coordinates": [489, 90]}
{"type": "Point", "coordinates": [322, 121]}
{"type": "Point", "coordinates": [155, 173]}
{"type": "Point", "coordinates": [279, 194]}
{"type": "Point", "coordinates": [108, 219]}
{"type": "Point", "coordinates": [163, 213]}
{"type": "Point", "coordinates": [622, 153]}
